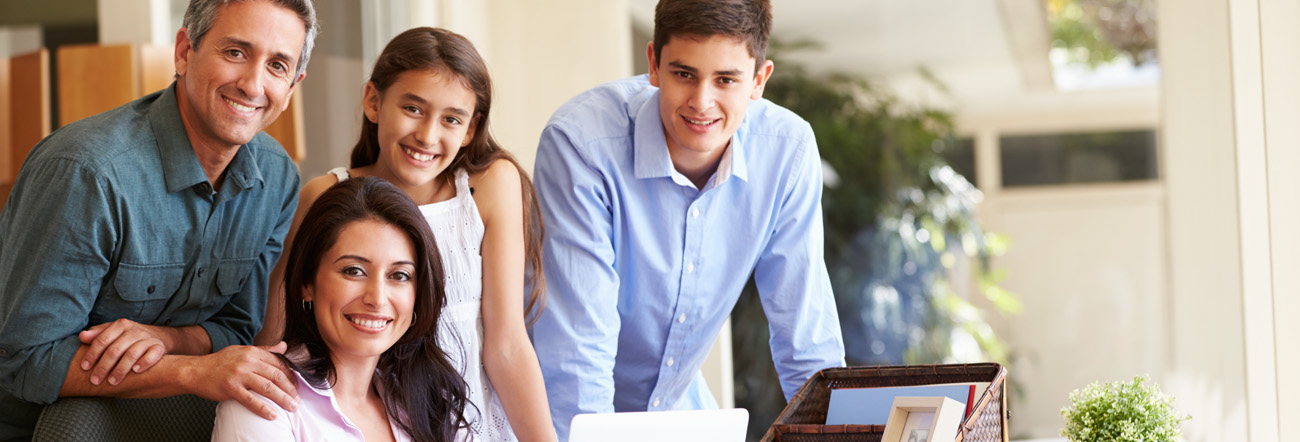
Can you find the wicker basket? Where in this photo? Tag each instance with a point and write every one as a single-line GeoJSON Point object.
{"type": "Point", "coordinates": [803, 418]}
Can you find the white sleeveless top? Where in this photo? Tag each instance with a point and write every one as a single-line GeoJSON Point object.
{"type": "Point", "coordinates": [458, 229]}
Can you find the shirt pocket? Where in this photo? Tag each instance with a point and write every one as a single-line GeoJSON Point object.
{"type": "Point", "coordinates": [144, 291]}
{"type": "Point", "coordinates": [232, 274]}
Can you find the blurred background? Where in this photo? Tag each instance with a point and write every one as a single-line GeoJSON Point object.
{"type": "Point", "coordinates": [1081, 190]}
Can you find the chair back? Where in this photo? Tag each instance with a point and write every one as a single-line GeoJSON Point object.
{"type": "Point", "coordinates": [93, 419]}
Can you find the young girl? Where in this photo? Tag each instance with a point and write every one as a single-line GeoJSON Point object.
{"type": "Point", "coordinates": [426, 130]}
{"type": "Point", "coordinates": [364, 296]}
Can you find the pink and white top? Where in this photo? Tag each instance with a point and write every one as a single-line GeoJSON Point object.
{"type": "Point", "coordinates": [318, 418]}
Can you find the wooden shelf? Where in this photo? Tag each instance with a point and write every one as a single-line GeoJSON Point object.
{"type": "Point", "coordinates": [94, 78]}
{"type": "Point", "coordinates": [27, 110]}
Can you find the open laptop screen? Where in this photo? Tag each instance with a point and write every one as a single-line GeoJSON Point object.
{"type": "Point", "coordinates": [727, 425]}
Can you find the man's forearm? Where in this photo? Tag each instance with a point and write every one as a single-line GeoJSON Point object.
{"type": "Point", "coordinates": [169, 377]}
{"type": "Point", "coordinates": [188, 340]}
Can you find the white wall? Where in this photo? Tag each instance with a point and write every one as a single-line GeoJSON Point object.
{"type": "Point", "coordinates": [544, 53]}
{"type": "Point", "coordinates": [1279, 43]}
{"type": "Point", "coordinates": [1203, 295]}
{"type": "Point", "coordinates": [1088, 264]}
{"type": "Point", "coordinates": [136, 21]}
{"type": "Point", "coordinates": [18, 40]}
{"type": "Point", "coordinates": [1206, 279]}
{"type": "Point", "coordinates": [1230, 104]}
{"type": "Point", "coordinates": [1087, 261]}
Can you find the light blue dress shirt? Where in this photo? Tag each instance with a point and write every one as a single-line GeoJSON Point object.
{"type": "Point", "coordinates": [643, 268]}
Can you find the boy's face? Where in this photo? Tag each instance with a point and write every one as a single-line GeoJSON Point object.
{"type": "Point", "coordinates": [705, 84]}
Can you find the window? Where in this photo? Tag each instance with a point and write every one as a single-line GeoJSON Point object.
{"type": "Point", "coordinates": [961, 156]}
{"type": "Point", "coordinates": [1095, 157]}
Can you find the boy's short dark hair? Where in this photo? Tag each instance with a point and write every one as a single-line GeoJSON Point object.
{"type": "Point", "coordinates": [749, 21]}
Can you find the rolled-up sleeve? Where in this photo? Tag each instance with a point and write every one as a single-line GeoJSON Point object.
{"type": "Point", "coordinates": [577, 336]}
{"type": "Point", "coordinates": [793, 284]}
{"type": "Point", "coordinates": [56, 239]}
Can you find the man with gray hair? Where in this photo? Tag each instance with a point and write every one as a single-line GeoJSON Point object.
{"type": "Point", "coordinates": [137, 244]}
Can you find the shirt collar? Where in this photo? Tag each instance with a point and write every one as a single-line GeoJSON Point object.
{"type": "Point", "coordinates": [181, 169]}
{"type": "Point", "coordinates": [650, 148]}
{"type": "Point", "coordinates": [243, 170]}
{"type": "Point", "coordinates": [302, 380]}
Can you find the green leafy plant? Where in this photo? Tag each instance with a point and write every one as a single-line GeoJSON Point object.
{"type": "Point", "coordinates": [1122, 411]}
{"type": "Point", "coordinates": [1096, 32]}
{"type": "Point", "coordinates": [903, 243]}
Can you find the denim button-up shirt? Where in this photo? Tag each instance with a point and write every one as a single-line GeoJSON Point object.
{"type": "Point", "coordinates": [642, 268]}
{"type": "Point", "coordinates": [113, 217]}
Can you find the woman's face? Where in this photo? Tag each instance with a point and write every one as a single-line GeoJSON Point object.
{"type": "Point", "coordinates": [364, 292]}
{"type": "Point", "coordinates": [424, 118]}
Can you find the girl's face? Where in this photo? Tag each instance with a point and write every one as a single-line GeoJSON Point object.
{"type": "Point", "coordinates": [364, 291]}
{"type": "Point", "coordinates": [424, 118]}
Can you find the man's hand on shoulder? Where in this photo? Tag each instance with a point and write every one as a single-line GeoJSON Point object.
{"type": "Point", "coordinates": [244, 372]}
{"type": "Point", "coordinates": [122, 347]}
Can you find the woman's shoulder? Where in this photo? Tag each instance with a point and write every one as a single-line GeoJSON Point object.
{"type": "Point", "coordinates": [316, 414]}
{"type": "Point", "coordinates": [235, 422]}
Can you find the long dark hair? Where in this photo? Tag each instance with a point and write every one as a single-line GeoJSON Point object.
{"type": "Point", "coordinates": [445, 51]}
{"type": "Point", "coordinates": [423, 391]}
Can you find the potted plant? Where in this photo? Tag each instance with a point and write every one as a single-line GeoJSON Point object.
{"type": "Point", "coordinates": [1122, 411]}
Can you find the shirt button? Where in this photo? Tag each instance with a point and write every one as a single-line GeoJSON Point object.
{"type": "Point", "coordinates": [4, 353]}
{"type": "Point", "coordinates": [656, 404]}
{"type": "Point", "coordinates": [682, 318]}
{"type": "Point", "coordinates": [200, 272]}
{"type": "Point", "coordinates": [690, 268]}
{"type": "Point", "coordinates": [695, 213]}
{"type": "Point", "coordinates": [670, 362]}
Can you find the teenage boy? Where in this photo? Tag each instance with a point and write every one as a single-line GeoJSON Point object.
{"type": "Point", "coordinates": [662, 195]}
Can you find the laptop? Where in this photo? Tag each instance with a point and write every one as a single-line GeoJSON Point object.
{"type": "Point", "coordinates": [727, 425]}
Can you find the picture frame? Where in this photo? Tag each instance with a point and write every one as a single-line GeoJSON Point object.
{"type": "Point", "coordinates": [923, 419]}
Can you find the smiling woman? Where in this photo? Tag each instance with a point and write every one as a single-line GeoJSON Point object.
{"type": "Point", "coordinates": [364, 296]}
{"type": "Point", "coordinates": [364, 292]}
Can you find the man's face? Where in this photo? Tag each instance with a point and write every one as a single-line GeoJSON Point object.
{"type": "Point", "coordinates": [705, 84]}
{"type": "Point", "coordinates": [237, 81]}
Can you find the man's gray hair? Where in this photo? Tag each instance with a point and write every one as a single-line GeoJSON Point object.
{"type": "Point", "coordinates": [201, 14]}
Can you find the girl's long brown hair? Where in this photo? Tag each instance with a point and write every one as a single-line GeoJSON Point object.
{"type": "Point", "coordinates": [445, 51]}
{"type": "Point", "coordinates": [423, 391]}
